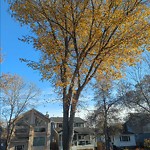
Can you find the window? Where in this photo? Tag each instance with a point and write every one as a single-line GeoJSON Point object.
{"type": "Point", "coordinates": [59, 125]}
{"type": "Point", "coordinates": [39, 129]}
{"type": "Point", "coordinates": [75, 137]}
{"type": "Point", "coordinates": [88, 142]}
{"type": "Point", "coordinates": [81, 143]}
{"type": "Point", "coordinates": [39, 141]}
{"type": "Point", "coordinates": [19, 147]}
{"type": "Point", "coordinates": [78, 125]}
{"type": "Point", "coordinates": [21, 130]}
{"type": "Point", "coordinates": [124, 138]}
{"type": "Point", "coordinates": [27, 118]}
{"type": "Point", "coordinates": [39, 122]}
{"type": "Point", "coordinates": [81, 137]}
{"type": "Point", "coordinates": [20, 122]}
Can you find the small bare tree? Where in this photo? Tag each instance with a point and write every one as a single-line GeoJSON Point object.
{"type": "Point", "coordinates": [138, 97]}
{"type": "Point", "coordinates": [135, 90]}
{"type": "Point", "coordinates": [16, 97]}
{"type": "Point", "coordinates": [107, 108]}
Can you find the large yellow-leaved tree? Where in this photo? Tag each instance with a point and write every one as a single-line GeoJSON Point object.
{"type": "Point", "coordinates": [80, 38]}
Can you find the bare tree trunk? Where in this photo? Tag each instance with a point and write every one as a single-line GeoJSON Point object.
{"type": "Point", "coordinates": [7, 144]}
{"type": "Point", "coordinates": [107, 140]}
{"type": "Point", "coordinates": [68, 122]}
{"type": "Point", "coordinates": [9, 134]}
{"type": "Point", "coordinates": [107, 144]}
{"type": "Point", "coordinates": [65, 127]}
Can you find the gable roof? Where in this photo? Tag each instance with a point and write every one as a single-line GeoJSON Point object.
{"type": "Point", "coordinates": [60, 120]}
{"type": "Point", "coordinates": [125, 130]}
{"type": "Point", "coordinates": [137, 121]}
{"type": "Point", "coordinates": [35, 112]}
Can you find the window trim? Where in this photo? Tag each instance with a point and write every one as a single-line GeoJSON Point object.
{"type": "Point", "coordinates": [125, 138]}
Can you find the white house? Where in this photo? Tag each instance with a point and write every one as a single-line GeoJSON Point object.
{"type": "Point", "coordinates": [124, 140]}
{"type": "Point", "coordinates": [135, 131]}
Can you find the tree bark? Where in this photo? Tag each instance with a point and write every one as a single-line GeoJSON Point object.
{"type": "Point", "coordinates": [65, 127]}
{"type": "Point", "coordinates": [68, 122]}
{"type": "Point", "coordinates": [107, 140]}
{"type": "Point", "coordinates": [106, 133]}
{"type": "Point", "coordinates": [72, 114]}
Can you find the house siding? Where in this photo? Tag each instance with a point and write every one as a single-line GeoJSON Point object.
{"type": "Point", "coordinates": [28, 126]}
{"type": "Point", "coordinates": [119, 143]}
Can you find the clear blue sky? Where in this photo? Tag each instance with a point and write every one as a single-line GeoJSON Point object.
{"type": "Point", "coordinates": [13, 49]}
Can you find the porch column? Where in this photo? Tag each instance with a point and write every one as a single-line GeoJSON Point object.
{"type": "Point", "coordinates": [48, 137]}
{"type": "Point", "coordinates": [77, 139]}
{"type": "Point", "coordinates": [31, 136]}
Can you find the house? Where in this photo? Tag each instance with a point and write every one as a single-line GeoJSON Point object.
{"type": "Point", "coordinates": [31, 132]}
{"type": "Point", "coordinates": [117, 136]}
{"type": "Point", "coordinates": [124, 138]}
{"type": "Point", "coordinates": [135, 130]}
{"type": "Point", "coordinates": [139, 124]}
{"type": "Point", "coordinates": [83, 138]}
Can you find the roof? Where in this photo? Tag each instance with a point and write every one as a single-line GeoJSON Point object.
{"type": "Point", "coordinates": [125, 129]}
{"type": "Point", "coordinates": [83, 130]}
{"type": "Point", "coordinates": [80, 130]}
{"type": "Point", "coordinates": [36, 112]}
{"type": "Point", "coordinates": [119, 128]}
{"type": "Point", "coordinates": [60, 119]}
{"type": "Point", "coordinates": [137, 121]}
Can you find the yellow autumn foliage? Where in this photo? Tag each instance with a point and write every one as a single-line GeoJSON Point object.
{"type": "Point", "coordinates": [78, 39]}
